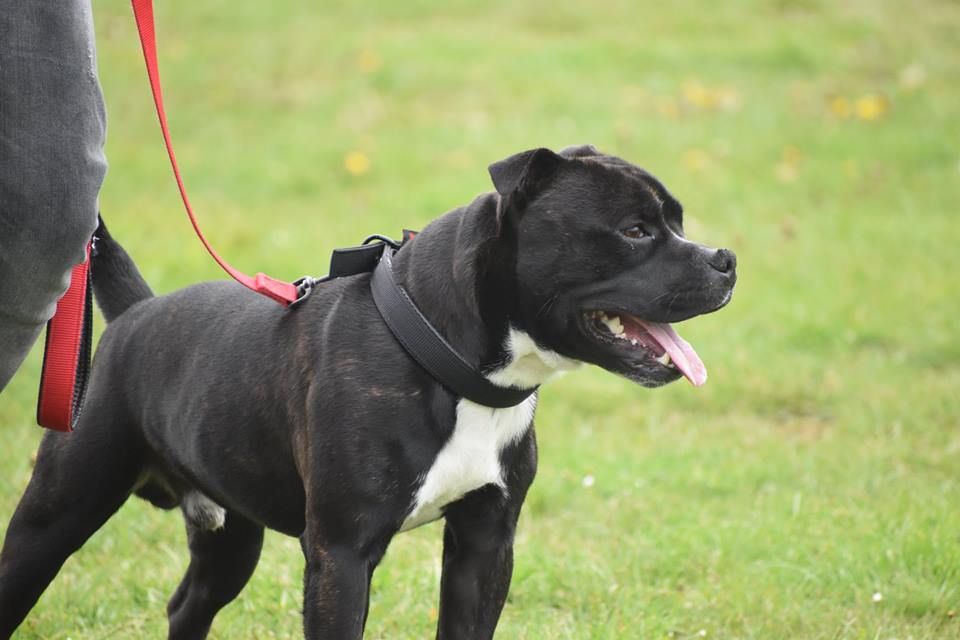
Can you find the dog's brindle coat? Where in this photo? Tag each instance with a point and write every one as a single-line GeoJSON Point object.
{"type": "Point", "coordinates": [316, 423]}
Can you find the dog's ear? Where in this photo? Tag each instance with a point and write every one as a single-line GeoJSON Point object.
{"type": "Point", "coordinates": [579, 151]}
{"type": "Point", "coordinates": [523, 171]}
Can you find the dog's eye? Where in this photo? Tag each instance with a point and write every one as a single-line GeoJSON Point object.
{"type": "Point", "coordinates": [635, 232]}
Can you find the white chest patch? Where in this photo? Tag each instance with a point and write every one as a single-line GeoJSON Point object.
{"type": "Point", "coordinates": [471, 457]}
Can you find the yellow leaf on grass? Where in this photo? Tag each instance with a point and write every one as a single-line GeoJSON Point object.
{"type": "Point", "coordinates": [871, 107]}
{"type": "Point", "coordinates": [698, 95]}
{"type": "Point", "coordinates": [707, 98]}
{"type": "Point", "coordinates": [840, 106]}
{"type": "Point", "coordinates": [356, 163]}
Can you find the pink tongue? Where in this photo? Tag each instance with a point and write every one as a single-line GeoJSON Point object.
{"type": "Point", "coordinates": [682, 354]}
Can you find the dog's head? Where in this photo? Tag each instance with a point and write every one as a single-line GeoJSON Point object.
{"type": "Point", "coordinates": [602, 265]}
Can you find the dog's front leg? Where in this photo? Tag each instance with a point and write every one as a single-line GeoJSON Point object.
{"type": "Point", "coordinates": [478, 552]}
{"type": "Point", "coordinates": [336, 590]}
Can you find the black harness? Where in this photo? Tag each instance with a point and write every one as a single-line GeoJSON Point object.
{"type": "Point", "coordinates": [410, 327]}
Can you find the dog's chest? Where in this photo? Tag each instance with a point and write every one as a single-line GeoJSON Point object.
{"type": "Point", "coordinates": [470, 459]}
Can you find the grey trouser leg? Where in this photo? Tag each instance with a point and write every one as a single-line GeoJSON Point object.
{"type": "Point", "coordinates": [52, 128]}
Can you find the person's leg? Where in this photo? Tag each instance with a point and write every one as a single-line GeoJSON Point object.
{"type": "Point", "coordinates": [52, 164]}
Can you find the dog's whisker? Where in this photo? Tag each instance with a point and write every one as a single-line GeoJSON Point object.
{"type": "Point", "coordinates": [547, 305]}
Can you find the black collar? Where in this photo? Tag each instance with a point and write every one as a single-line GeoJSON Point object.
{"type": "Point", "coordinates": [413, 331]}
{"type": "Point", "coordinates": [425, 344]}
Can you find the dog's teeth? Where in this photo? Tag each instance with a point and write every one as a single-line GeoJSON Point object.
{"type": "Point", "coordinates": [664, 359]}
{"type": "Point", "coordinates": [613, 324]}
{"type": "Point", "coordinates": [634, 342]}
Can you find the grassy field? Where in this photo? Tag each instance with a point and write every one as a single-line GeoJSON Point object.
{"type": "Point", "coordinates": [809, 490]}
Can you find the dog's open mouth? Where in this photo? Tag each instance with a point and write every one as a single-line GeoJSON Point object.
{"type": "Point", "coordinates": [659, 342]}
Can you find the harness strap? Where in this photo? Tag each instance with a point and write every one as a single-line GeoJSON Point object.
{"type": "Point", "coordinates": [278, 290]}
{"type": "Point", "coordinates": [425, 344]}
{"type": "Point", "coordinates": [66, 354]}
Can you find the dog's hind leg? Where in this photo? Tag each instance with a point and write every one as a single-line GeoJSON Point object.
{"type": "Point", "coordinates": [79, 481]}
{"type": "Point", "coordinates": [221, 561]}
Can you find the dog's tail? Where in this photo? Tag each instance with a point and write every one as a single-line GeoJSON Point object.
{"type": "Point", "coordinates": [117, 284]}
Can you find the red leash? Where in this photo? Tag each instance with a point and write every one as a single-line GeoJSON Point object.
{"type": "Point", "coordinates": [282, 292]}
{"type": "Point", "coordinates": [66, 357]}
{"type": "Point", "coordinates": [66, 354]}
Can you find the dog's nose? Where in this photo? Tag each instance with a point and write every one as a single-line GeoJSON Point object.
{"type": "Point", "coordinates": [724, 261]}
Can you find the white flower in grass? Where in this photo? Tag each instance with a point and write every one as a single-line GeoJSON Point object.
{"type": "Point", "coordinates": [877, 596]}
{"type": "Point", "coordinates": [588, 481]}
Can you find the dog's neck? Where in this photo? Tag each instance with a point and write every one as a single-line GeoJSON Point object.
{"type": "Point", "coordinates": [461, 271]}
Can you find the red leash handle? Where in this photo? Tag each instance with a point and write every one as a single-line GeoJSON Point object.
{"type": "Point", "coordinates": [66, 354]}
{"type": "Point", "coordinates": [282, 292]}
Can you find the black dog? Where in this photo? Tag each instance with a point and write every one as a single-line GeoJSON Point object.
{"type": "Point", "coordinates": [315, 422]}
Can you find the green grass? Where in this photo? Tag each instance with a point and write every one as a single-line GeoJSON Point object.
{"type": "Point", "coordinates": [820, 464]}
